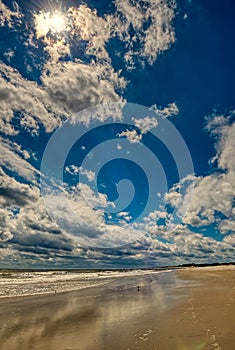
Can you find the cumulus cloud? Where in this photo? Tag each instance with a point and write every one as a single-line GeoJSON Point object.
{"type": "Point", "coordinates": [227, 226]}
{"type": "Point", "coordinates": [159, 34]}
{"type": "Point", "coordinates": [146, 29]}
{"type": "Point", "coordinates": [170, 110]}
{"type": "Point", "coordinates": [13, 193]}
{"type": "Point", "coordinates": [214, 194]}
{"type": "Point", "coordinates": [32, 225]}
{"type": "Point", "coordinates": [7, 16]}
{"type": "Point", "coordinates": [76, 217]}
{"type": "Point", "coordinates": [5, 233]}
{"type": "Point", "coordinates": [93, 29]}
{"type": "Point", "coordinates": [29, 124]}
{"type": "Point", "coordinates": [32, 231]}
{"type": "Point", "coordinates": [15, 163]}
{"type": "Point", "coordinates": [67, 88]}
{"type": "Point", "coordinates": [190, 246]}
{"type": "Point", "coordinates": [162, 247]}
{"type": "Point", "coordinates": [20, 95]}
{"type": "Point", "coordinates": [75, 170]}
{"type": "Point", "coordinates": [29, 225]}
{"type": "Point", "coordinates": [183, 245]}
{"type": "Point", "coordinates": [230, 240]}
{"type": "Point", "coordinates": [94, 199]}
{"type": "Point", "coordinates": [132, 135]}
{"type": "Point", "coordinates": [173, 197]}
{"type": "Point", "coordinates": [145, 124]}
{"type": "Point", "coordinates": [73, 86]}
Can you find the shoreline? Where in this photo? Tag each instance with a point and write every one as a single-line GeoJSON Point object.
{"type": "Point", "coordinates": [46, 294]}
{"type": "Point", "coordinates": [79, 283]}
{"type": "Point", "coordinates": [109, 279]}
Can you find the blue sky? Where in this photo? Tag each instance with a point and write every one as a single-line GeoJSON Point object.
{"type": "Point", "coordinates": [116, 133]}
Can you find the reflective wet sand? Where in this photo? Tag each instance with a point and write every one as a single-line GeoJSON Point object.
{"type": "Point", "coordinates": [169, 311]}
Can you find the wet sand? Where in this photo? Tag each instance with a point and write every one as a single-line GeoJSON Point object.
{"type": "Point", "coordinates": [185, 309]}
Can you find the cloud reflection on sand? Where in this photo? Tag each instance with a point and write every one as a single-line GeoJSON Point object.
{"type": "Point", "coordinates": [79, 320]}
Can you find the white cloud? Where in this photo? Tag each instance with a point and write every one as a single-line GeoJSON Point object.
{"type": "Point", "coordinates": [170, 110]}
{"type": "Point", "coordinates": [29, 124]}
{"type": "Point", "coordinates": [125, 217]}
{"type": "Point", "coordinates": [75, 170]}
{"type": "Point", "coordinates": [13, 161]}
{"type": "Point", "coordinates": [145, 29]}
{"type": "Point", "coordinates": [182, 245]}
{"type": "Point", "coordinates": [67, 88]}
{"type": "Point", "coordinates": [227, 226]}
{"type": "Point", "coordinates": [213, 194]}
{"type": "Point", "coordinates": [72, 169]}
{"type": "Point", "coordinates": [173, 197]}
{"type": "Point", "coordinates": [93, 29]}
{"type": "Point", "coordinates": [29, 227]}
{"type": "Point", "coordinates": [216, 124]}
{"type": "Point", "coordinates": [145, 124]}
{"type": "Point", "coordinates": [20, 95]}
{"type": "Point", "coordinates": [14, 193]}
{"type": "Point", "coordinates": [92, 198]}
{"type": "Point", "coordinates": [33, 230]}
{"type": "Point", "coordinates": [17, 149]}
{"type": "Point", "coordinates": [156, 215]}
{"type": "Point", "coordinates": [7, 16]}
{"type": "Point", "coordinates": [230, 240]}
{"type": "Point", "coordinates": [90, 175]}
{"type": "Point", "coordinates": [159, 34]}
{"type": "Point", "coordinates": [73, 86]}
{"type": "Point", "coordinates": [131, 135]}
{"type": "Point", "coordinates": [5, 233]}
{"type": "Point", "coordinates": [75, 216]}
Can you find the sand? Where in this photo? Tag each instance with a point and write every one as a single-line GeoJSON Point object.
{"type": "Point", "coordinates": [183, 309]}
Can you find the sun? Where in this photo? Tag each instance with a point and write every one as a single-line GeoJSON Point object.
{"type": "Point", "coordinates": [57, 22]}
{"type": "Point", "coordinates": [47, 22]}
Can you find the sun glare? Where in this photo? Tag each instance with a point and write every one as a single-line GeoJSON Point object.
{"type": "Point", "coordinates": [57, 22]}
{"type": "Point", "coordinates": [50, 22]}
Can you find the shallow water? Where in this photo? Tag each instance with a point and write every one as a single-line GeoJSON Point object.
{"type": "Point", "coordinates": [105, 317]}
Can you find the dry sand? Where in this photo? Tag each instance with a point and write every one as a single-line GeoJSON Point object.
{"type": "Point", "coordinates": [190, 309]}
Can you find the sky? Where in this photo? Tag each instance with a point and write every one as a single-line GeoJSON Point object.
{"type": "Point", "coordinates": [117, 133]}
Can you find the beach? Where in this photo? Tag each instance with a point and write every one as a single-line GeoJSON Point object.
{"type": "Point", "coordinates": [192, 308]}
